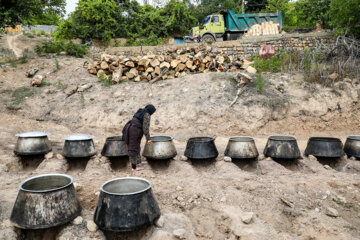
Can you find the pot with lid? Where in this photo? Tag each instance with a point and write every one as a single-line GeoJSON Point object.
{"type": "Point", "coordinates": [282, 147]}
{"type": "Point", "coordinates": [115, 147]}
{"type": "Point", "coordinates": [241, 148]}
{"type": "Point", "coordinates": [32, 143]}
{"type": "Point", "coordinates": [161, 147]}
{"type": "Point", "coordinates": [45, 201]}
{"type": "Point", "coordinates": [326, 147]}
{"type": "Point", "coordinates": [79, 146]}
{"type": "Point", "coordinates": [201, 148]}
{"type": "Point", "coordinates": [126, 204]}
{"type": "Point", "coordinates": [352, 146]}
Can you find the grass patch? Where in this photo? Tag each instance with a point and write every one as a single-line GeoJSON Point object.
{"type": "Point", "coordinates": [82, 98]}
{"type": "Point", "coordinates": [20, 94]}
{"type": "Point", "coordinates": [105, 80]}
{"type": "Point", "coordinates": [61, 85]}
{"type": "Point", "coordinates": [61, 46]}
{"type": "Point", "coordinates": [260, 82]}
{"type": "Point", "coordinates": [57, 65]}
{"type": "Point", "coordinates": [44, 84]}
{"type": "Point", "coordinates": [13, 64]}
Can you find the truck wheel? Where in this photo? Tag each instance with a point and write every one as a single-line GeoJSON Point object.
{"type": "Point", "coordinates": [208, 38]}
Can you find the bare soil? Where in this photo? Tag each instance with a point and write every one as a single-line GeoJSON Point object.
{"type": "Point", "coordinates": [208, 198]}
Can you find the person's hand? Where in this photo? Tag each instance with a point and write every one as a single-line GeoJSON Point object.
{"type": "Point", "coordinates": [149, 142]}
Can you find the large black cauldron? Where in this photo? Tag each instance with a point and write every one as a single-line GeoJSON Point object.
{"type": "Point", "coordinates": [126, 204]}
{"type": "Point", "coordinates": [352, 146]}
{"type": "Point", "coordinates": [45, 201]}
{"type": "Point", "coordinates": [79, 146]}
{"type": "Point", "coordinates": [282, 147]}
{"type": "Point", "coordinates": [32, 143]}
{"type": "Point", "coordinates": [162, 147]}
{"type": "Point", "coordinates": [201, 148]}
{"type": "Point", "coordinates": [241, 148]}
{"type": "Point", "coordinates": [115, 147]}
{"type": "Point", "coordinates": [324, 147]}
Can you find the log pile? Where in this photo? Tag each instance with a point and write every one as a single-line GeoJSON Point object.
{"type": "Point", "coordinates": [265, 28]}
{"type": "Point", "coordinates": [153, 67]}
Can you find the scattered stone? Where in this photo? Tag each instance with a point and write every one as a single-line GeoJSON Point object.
{"type": "Point", "coordinates": [32, 72]}
{"type": "Point", "coordinates": [352, 158]}
{"type": "Point", "coordinates": [334, 76]}
{"type": "Point", "coordinates": [223, 199]}
{"type": "Point", "coordinates": [59, 156]}
{"type": "Point", "coordinates": [331, 212]}
{"type": "Point", "coordinates": [49, 155]}
{"type": "Point", "coordinates": [180, 233]}
{"type": "Point", "coordinates": [180, 199]}
{"type": "Point", "coordinates": [312, 158]}
{"type": "Point", "coordinates": [247, 217]}
{"type": "Point", "coordinates": [261, 157]}
{"type": "Point", "coordinates": [178, 188]}
{"type": "Point", "coordinates": [91, 226]}
{"type": "Point", "coordinates": [183, 158]}
{"type": "Point", "coordinates": [160, 222]}
{"type": "Point", "coordinates": [251, 70]}
{"type": "Point", "coordinates": [78, 220]}
{"type": "Point", "coordinates": [327, 167]}
{"type": "Point", "coordinates": [317, 210]}
{"type": "Point", "coordinates": [77, 186]}
{"type": "Point", "coordinates": [97, 193]}
{"type": "Point", "coordinates": [227, 159]}
{"type": "Point", "coordinates": [37, 80]}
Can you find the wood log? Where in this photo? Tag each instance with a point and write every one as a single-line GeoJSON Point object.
{"type": "Point", "coordinates": [161, 58]}
{"type": "Point", "coordinates": [112, 68]}
{"type": "Point", "coordinates": [92, 70]}
{"type": "Point", "coordinates": [150, 55]}
{"type": "Point", "coordinates": [197, 61]}
{"type": "Point", "coordinates": [117, 74]}
{"type": "Point", "coordinates": [149, 70]}
{"type": "Point", "coordinates": [101, 74]}
{"type": "Point", "coordinates": [155, 62]}
{"type": "Point", "coordinates": [220, 59]}
{"type": "Point", "coordinates": [84, 87]}
{"type": "Point", "coordinates": [124, 78]}
{"type": "Point", "coordinates": [207, 59]}
{"type": "Point", "coordinates": [159, 77]}
{"type": "Point", "coordinates": [141, 68]}
{"type": "Point", "coordinates": [144, 62]}
{"type": "Point", "coordinates": [105, 57]}
{"type": "Point", "coordinates": [183, 59]}
{"type": "Point", "coordinates": [130, 64]}
{"type": "Point", "coordinates": [174, 63]}
{"type": "Point", "coordinates": [180, 67]}
{"type": "Point", "coordinates": [202, 67]}
{"type": "Point", "coordinates": [189, 64]}
{"type": "Point", "coordinates": [137, 79]}
{"type": "Point", "coordinates": [157, 71]}
{"type": "Point", "coordinates": [220, 68]}
{"type": "Point", "coordinates": [164, 65]}
{"type": "Point", "coordinates": [104, 65]}
{"type": "Point", "coordinates": [168, 59]}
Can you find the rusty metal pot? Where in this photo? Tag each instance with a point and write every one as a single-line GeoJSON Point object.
{"type": "Point", "coordinates": [126, 204]}
{"type": "Point", "coordinates": [352, 146]}
{"type": "Point", "coordinates": [79, 146]}
{"type": "Point", "coordinates": [32, 143]}
{"type": "Point", "coordinates": [162, 147]}
{"type": "Point", "coordinates": [45, 201]}
{"type": "Point", "coordinates": [241, 148]}
{"type": "Point", "coordinates": [201, 148]}
{"type": "Point", "coordinates": [326, 147]}
{"type": "Point", "coordinates": [282, 147]}
{"type": "Point", "coordinates": [115, 147]}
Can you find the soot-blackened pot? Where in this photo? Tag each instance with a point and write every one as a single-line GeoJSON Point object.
{"type": "Point", "coordinates": [79, 146]}
{"type": "Point", "coordinates": [161, 147]}
{"type": "Point", "coordinates": [45, 201]}
{"type": "Point", "coordinates": [126, 204]}
{"type": "Point", "coordinates": [324, 147]}
{"type": "Point", "coordinates": [352, 146]}
{"type": "Point", "coordinates": [282, 147]}
{"type": "Point", "coordinates": [201, 148]}
{"type": "Point", "coordinates": [115, 147]}
{"type": "Point", "coordinates": [241, 148]}
{"type": "Point", "coordinates": [32, 143]}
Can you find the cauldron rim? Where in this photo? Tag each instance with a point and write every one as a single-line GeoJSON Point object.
{"type": "Point", "coordinates": [126, 178]}
{"type": "Point", "coordinates": [241, 139]}
{"type": "Point", "coordinates": [46, 175]}
{"type": "Point", "coordinates": [78, 137]}
{"type": "Point", "coordinates": [115, 138]}
{"type": "Point", "coordinates": [325, 139]}
{"type": "Point", "coordinates": [31, 134]}
{"type": "Point", "coordinates": [201, 139]}
{"type": "Point", "coordinates": [354, 137]}
{"type": "Point", "coordinates": [167, 138]}
{"type": "Point", "coordinates": [282, 138]}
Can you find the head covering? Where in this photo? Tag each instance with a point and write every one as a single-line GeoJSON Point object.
{"type": "Point", "coordinates": [141, 112]}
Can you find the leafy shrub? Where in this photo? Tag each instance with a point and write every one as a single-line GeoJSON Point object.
{"type": "Point", "coordinates": [60, 46]}
{"type": "Point", "coordinates": [260, 82]}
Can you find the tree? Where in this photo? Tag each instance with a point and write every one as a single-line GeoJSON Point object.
{"type": "Point", "coordinates": [345, 15]}
{"type": "Point", "coordinates": [310, 12]}
{"type": "Point", "coordinates": [14, 12]}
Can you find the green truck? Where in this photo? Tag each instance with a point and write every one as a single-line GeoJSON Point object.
{"type": "Point", "coordinates": [226, 25]}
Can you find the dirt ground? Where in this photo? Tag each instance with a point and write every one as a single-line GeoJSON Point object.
{"type": "Point", "coordinates": [200, 199]}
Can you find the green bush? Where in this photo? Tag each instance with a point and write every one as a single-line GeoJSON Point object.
{"type": "Point", "coordinates": [260, 82]}
{"type": "Point", "coordinates": [60, 46]}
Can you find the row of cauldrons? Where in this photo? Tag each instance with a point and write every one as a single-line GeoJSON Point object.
{"type": "Point", "coordinates": [50, 200]}
{"type": "Point", "coordinates": [286, 147]}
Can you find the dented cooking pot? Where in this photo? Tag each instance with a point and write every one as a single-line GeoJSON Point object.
{"type": "Point", "coordinates": [79, 146]}
{"type": "Point", "coordinates": [45, 201]}
{"type": "Point", "coordinates": [201, 148]}
{"type": "Point", "coordinates": [161, 147]}
{"type": "Point", "coordinates": [241, 148]}
{"type": "Point", "coordinates": [126, 204]}
{"type": "Point", "coordinates": [282, 147]}
{"type": "Point", "coordinates": [115, 147]}
{"type": "Point", "coordinates": [352, 146]}
{"type": "Point", "coordinates": [32, 143]}
{"type": "Point", "coordinates": [326, 147]}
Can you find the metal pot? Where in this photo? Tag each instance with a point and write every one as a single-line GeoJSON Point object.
{"type": "Point", "coordinates": [352, 146]}
{"type": "Point", "coordinates": [32, 143]}
{"type": "Point", "coordinates": [115, 147]}
{"type": "Point", "coordinates": [126, 204]}
{"type": "Point", "coordinates": [201, 148]}
{"type": "Point", "coordinates": [324, 147]}
{"type": "Point", "coordinates": [282, 147]}
{"type": "Point", "coordinates": [79, 146]}
{"type": "Point", "coordinates": [162, 147]}
{"type": "Point", "coordinates": [45, 201]}
{"type": "Point", "coordinates": [241, 148]}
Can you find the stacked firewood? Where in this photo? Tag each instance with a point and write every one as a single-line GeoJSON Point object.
{"type": "Point", "coordinates": [264, 28]}
{"type": "Point", "coordinates": [159, 67]}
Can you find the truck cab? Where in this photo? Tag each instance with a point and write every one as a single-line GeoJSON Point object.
{"type": "Point", "coordinates": [211, 29]}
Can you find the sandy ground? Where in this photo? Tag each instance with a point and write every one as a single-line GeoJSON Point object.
{"type": "Point", "coordinates": [208, 199]}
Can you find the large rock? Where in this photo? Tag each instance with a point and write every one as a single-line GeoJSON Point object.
{"type": "Point", "coordinates": [31, 72]}
{"type": "Point", "coordinates": [37, 80]}
{"type": "Point", "coordinates": [332, 212]}
{"type": "Point", "coordinates": [79, 232]}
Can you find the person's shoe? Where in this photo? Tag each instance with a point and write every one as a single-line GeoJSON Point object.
{"type": "Point", "coordinates": [137, 169]}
